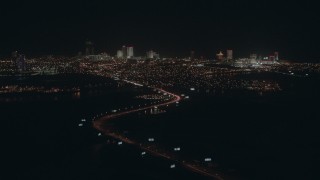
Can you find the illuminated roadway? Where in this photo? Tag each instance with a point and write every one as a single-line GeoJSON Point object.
{"type": "Point", "coordinates": [100, 122]}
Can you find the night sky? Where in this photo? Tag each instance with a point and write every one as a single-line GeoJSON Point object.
{"type": "Point", "coordinates": [172, 28]}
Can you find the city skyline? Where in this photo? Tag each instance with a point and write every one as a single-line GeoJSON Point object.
{"type": "Point", "coordinates": [128, 52]}
{"type": "Point", "coordinates": [171, 28]}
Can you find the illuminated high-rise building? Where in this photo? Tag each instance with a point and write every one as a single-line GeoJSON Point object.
{"type": "Point", "coordinates": [124, 52]}
{"type": "Point", "coordinates": [220, 56]}
{"type": "Point", "coordinates": [156, 55]}
{"type": "Point", "coordinates": [229, 54]}
{"type": "Point", "coordinates": [119, 54]}
{"type": "Point", "coordinates": [150, 54]}
{"type": "Point", "coordinates": [130, 52]}
{"type": "Point", "coordinates": [276, 56]}
{"type": "Point", "coordinates": [271, 58]}
{"type": "Point", "coordinates": [253, 56]}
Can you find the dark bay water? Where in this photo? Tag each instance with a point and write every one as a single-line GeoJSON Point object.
{"type": "Point", "coordinates": [274, 136]}
{"type": "Point", "coordinates": [42, 138]}
{"type": "Point", "coordinates": [249, 136]}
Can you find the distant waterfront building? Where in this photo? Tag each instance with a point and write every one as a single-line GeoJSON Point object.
{"type": "Point", "coordinates": [150, 54]}
{"type": "Point", "coordinates": [220, 56]}
{"type": "Point", "coordinates": [14, 55]}
{"type": "Point", "coordinates": [130, 53]}
{"type": "Point", "coordinates": [192, 55]}
{"type": "Point", "coordinates": [89, 48]}
{"type": "Point", "coordinates": [99, 57]}
{"type": "Point", "coordinates": [271, 58]}
{"type": "Point", "coordinates": [276, 56]}
{"type": "Point", "coordinates": [21, 63]}
{"type": "Point", "coordinates": [124, 52]}
{"type": "Point", "coordinates": [267, 60]}
{"type": "Point", "coordinates": [229, 54]}
{"type": "Point", "coordinates": [156, 55]}
{"type": "Point", "coordinates": [120, 54]}
{"type": "Point", "coordinates": [253, 56]}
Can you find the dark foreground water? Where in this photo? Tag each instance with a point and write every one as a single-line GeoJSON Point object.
{"type": "Point", "coordinates": [248, 136]}
{"type": "Point", "coordinates": [42, 138]}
